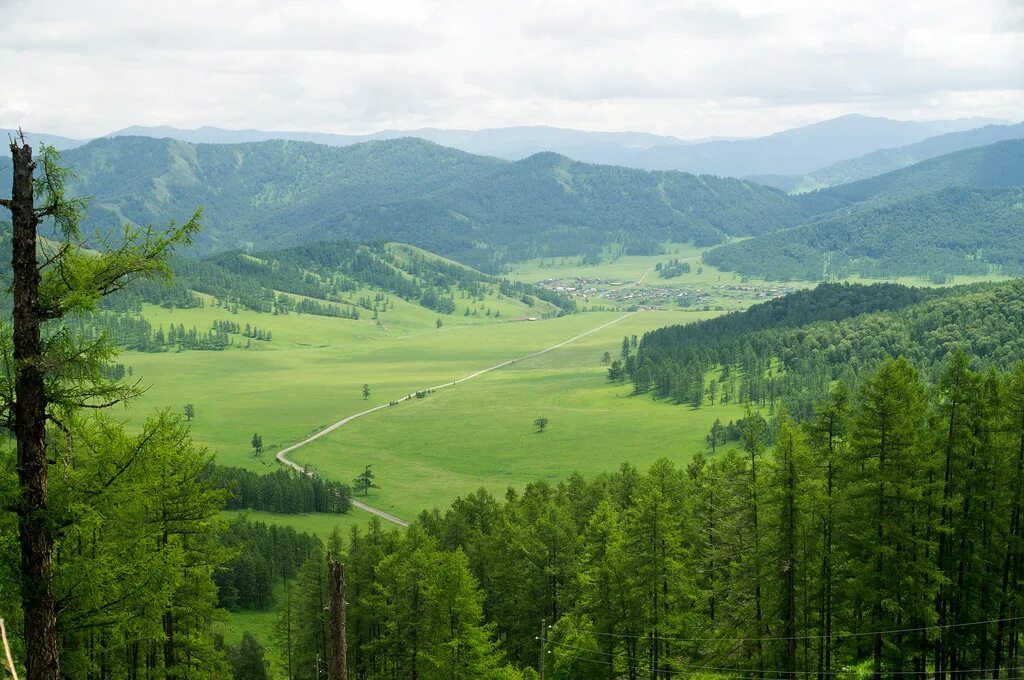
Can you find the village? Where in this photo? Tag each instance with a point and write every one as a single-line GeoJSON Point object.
{"type": "Point", "coordinates": [627, 294]}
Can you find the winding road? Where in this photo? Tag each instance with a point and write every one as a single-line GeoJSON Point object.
{"type": "Point", "coordinates": [282, 455]}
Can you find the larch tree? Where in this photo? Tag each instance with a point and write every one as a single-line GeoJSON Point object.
{"type": "Point", "coordinates": [50, 372]}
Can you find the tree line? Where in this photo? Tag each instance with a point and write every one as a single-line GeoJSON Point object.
{"type": "Point", "coordinates": [793, 348]}
{"type": "Point", "coordinates": [281, 491]}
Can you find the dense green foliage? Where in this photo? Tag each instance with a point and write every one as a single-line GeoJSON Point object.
{"type": "Point", "coordinates": [138, 547]}
{"type": "Point", "coordinates": [994, 166]}
{"type": "Point", "coordinates": [953, 231]}
{"type": "Point", "coordinates": [792, 349]}
{"type": "Point", "coordinates": [263, 558]}
{"type": "Point", "coordinates": [481, 211]}
{"type": "Point", "coordinates": [282, 491]}
{"type": "Point", "coordinates": [414, 611]}
{"type": "Point", "coordinates": [875, 536]}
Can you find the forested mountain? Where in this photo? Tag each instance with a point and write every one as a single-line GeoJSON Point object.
{"type": "Point", "coordinates": [330, 271]}
{"type": "Point", "coordinates": [796, 150]}
{"type": "Point", "coordinates": [953, 231]}
{"type": "Point", "coordinates": [988, 167]}
{"type": "Point", "coordinates": [790, 350]}
{"type": "Point", "coordinates": [886, 160]}
{"type": "Point", "coordinates": [479, 210]}
{"type": "Point", "coordinates": [955, 214]}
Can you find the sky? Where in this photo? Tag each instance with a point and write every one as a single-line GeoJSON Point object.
{"type": "Point", "coordinates": [689, 68]}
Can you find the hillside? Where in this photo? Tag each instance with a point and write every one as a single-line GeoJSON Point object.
{"type": "Point", "coordinates": [988, 167]}
{"type": "Point", "coordinates": [886, 160]}
{"type": "Point", "coordinates": [37, 138]}
{"type": "Point", "coordinates": [797, 150]}
{"type": "Point", "coordinates": [478, 210]}
{"type": "Point", "coordinates": [836, 331]}
{"type": "Point", "coordinates": [952, 231]}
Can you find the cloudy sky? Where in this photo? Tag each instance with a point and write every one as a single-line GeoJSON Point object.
{"type": "Point", "coordinates": [690, 68]}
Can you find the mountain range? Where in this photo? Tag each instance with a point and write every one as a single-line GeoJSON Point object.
{"type": "Point", "coordinates": [479, 210]}
{"type": "Point", "coordinates": [771, 158]}
{"type": "Point", "coordinates": [942, 214]}
{"type": "Point", "coordinates": [961, 213]}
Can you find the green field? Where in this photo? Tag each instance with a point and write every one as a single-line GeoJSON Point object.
{"type": "Point", "coordinates": [320, 523]}
{"type": "Point", "coordinates": [480, 433]}
{"type": "Point", "coordinates": [631, 269]}
{"type": "Point", "coordinates": [425, 451]}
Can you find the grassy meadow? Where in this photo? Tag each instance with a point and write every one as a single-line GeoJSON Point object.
{"type": "Point", "coordinates": [425, 451]}
{"type": "Point", "coordinates": [481, 434]}
{"type": "Point", "coordinates": [633, 268]}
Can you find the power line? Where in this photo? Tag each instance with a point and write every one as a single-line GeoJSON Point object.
{"type": "Point", "coordinates": [817, 637]}
{"type": "Point", "coordinates": [751, 674]}
{"type": "Point", "coordinates": [789, 675]}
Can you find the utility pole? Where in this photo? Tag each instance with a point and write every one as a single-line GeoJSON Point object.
{"type": "Point", "coordinates": [543, 645]}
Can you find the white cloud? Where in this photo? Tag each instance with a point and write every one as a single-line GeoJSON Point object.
{"type": "Point", "coordinates": [689, 68]}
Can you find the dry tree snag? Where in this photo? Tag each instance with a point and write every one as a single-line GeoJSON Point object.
{"type": "Point", "coordinates": [42, 642]}
{"type": "Point", "coordinates": [339, 643]}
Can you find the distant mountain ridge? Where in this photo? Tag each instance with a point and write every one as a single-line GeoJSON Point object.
{"type": "Point", "coordinates": [479, 210]}
{"type": "Point", "coordinates": [961, 213]}
{"type": "Point", "coordinates": [886, 160]}
{"type": "Point", "coordinates": [35, 138]}
{"type": "Point", "coordinates": [792, 151]}
{"type": "Point", "coordinates": [771, 158]}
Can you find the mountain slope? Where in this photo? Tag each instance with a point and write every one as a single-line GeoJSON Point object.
{"type": "Point", "coordinates": [837, 331]}
{"type": "Point", "coordinates": [795, 151]}
{"type": "Point", "coordinates": [986, 167]}
{"type": "Point", "coordinates": [956, 230]}
{"type": "Point", "coordinates": [479, 210]}
{"type": "Point", "coordinates": [37, 138]}
{"type": "Point", "coordinates": [886, 160]}
{"type": "Point", "coordinates": [955, 214]}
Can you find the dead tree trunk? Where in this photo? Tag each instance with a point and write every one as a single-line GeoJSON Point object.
{"type": "Point", "coordinates": [339, 640]}
{"type": "Point", "coordinates": [41, 637]}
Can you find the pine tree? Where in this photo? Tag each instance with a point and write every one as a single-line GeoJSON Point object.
{"type": "Point", "coordinates": [891, 532]}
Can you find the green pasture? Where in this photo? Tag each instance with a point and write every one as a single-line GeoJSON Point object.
{"type": "Point", "coordinates": [320, 523]}
{"type": "Point", "coordinates": [427, 451]}
{"type": "Point", "coordinates": [630, 269]}
{"type": "Point", "coordinates": [312, 372]}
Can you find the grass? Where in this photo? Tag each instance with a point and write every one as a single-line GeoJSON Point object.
{"type": "Point", "coordinates": [632, 268]}
{"type": "Point", "coordinates": [480, 433]}
{"type": "Point", "coordinates": [261, 626]}
{"type": "Point", "coordinates": [425, 451]}
{"type": "Point", "coordinates": [312, 373]}
{"type": "Point", "coordinates": [319, 523]}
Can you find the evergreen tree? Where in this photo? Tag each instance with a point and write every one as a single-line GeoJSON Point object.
{"type": "Point", "coordinates": [247, 661]}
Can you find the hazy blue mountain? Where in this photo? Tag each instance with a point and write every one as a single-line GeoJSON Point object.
{"type": "Point", "coordinates": [510, 143]}
{"type": "Point", "coordinates": [887, 160]}
{"type": "Point", "coordinates": [35, 138]}
{"type": "Point", "coordinates": [798, 150]}
{"type": "Point", "coordinates": [481, 210]}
